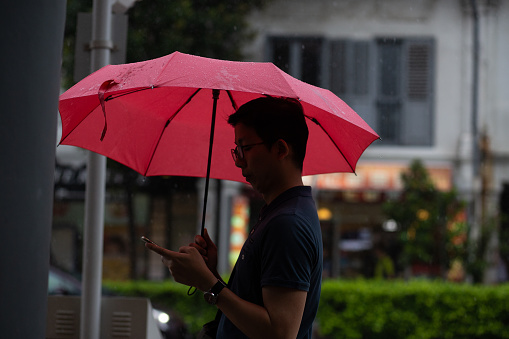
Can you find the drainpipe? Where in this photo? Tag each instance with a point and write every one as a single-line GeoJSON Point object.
{"type": "Point", "coordinates": [475, 87]}
{"type": "Point", "coordinates": [474, 222]}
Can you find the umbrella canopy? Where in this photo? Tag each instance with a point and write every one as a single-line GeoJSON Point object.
{"type": "Point", "coordinates": [155, 116]}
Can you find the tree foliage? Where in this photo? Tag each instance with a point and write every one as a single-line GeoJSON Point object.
{"type": "Point", "coordinates": [430, 231]}
{"type": "Point", "coordinates": [210, 28]}
{"type": "Point", "coordinates": [216, 29]}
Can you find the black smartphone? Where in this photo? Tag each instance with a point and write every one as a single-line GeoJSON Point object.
{"type": "Point", "coordinates": [147, 240]}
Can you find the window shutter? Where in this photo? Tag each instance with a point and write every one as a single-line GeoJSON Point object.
{"type": "Point", "coordinates": [338, 67]}
{"type": "Point", "coordinates": [417, 103]}
{"type": "Point", "coordinates": [352, 74]}
{"type": "Point", "coordinates": [388, 90]}
{"type": "Point", "coordinates": [361, 69]}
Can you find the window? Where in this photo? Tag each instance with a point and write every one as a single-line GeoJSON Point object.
{"type": "Point", "coordinates": [300, 57]}
{"type": "Point", "coordinates": [387, 81]}
{"type": "Point", "coordinates": [389, 94]}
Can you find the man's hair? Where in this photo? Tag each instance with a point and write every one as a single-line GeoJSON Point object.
{"type": "Point", "coordinates": [275, 118]}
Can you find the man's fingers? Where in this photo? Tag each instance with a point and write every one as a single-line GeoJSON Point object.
{"type": "Point", "coordinates": [188, 250]}
{"type": "Point", "coordinates": [162, 251]}
{"type": "Point", "coordinates": [207, 239]}
{"type": "Point", "coordinates": [206, 236]}
{"type": "Point", "coordinates": [199, 248]}
{"type": "Point", "coordinates": [198, 239]}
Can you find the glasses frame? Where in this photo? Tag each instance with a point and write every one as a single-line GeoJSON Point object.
{"type": "Point", "coordinates": [238, 151]}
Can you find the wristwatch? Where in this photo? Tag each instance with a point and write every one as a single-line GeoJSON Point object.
{"type": "Point", "coordinates": [213, 293]}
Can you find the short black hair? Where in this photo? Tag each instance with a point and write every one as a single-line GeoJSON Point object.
{"type": "Point", "coordinates": [275, 118]}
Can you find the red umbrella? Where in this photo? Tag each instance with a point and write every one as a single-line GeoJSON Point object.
{"type": "Point", "coordinates": [158, 116]}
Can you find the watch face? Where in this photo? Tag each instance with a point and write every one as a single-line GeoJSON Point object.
{"type": "Point", "coordinates": [210, 298]}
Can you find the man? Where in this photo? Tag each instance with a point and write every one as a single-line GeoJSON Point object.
{"type": "Point", "coordinates": [275, 287]}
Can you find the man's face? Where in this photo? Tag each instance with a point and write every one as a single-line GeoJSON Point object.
{"type": "Point", "coordinates": [258, 161]}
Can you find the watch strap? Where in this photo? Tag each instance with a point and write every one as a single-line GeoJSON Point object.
{"type": "Point", "coordinates": [217, 288]}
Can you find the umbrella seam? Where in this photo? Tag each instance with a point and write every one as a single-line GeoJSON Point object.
{"type": "Point", "coordinates": [171, 56]}
{"type": "Point", "coordinates": [286, 81]}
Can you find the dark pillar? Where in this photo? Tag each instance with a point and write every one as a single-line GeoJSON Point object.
{"type": "Point", "coordinates": [31, 36]}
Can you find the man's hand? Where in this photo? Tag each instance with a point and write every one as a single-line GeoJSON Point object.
{"type": "Point", "coordinates": [186, 266]}
{"type": "Point", "coordinates": [207, 249]}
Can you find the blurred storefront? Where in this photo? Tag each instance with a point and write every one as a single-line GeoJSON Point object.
{"type": "Point", "coordinates": [162, 208]}
{"type": "Point", "coordinates": [350, 210]}
{"type": "Point", "coordinates": [167, 210]}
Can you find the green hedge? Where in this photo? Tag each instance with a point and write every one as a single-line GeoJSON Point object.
{"type": "Point", "coordinates": [369, 309]}
{"type": "Point", "coordinates": [416, 309]}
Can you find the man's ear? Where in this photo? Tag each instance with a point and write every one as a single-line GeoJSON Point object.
{"type": "Point", "coordinates": [283, 148]}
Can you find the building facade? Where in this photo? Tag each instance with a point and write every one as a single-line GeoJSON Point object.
{"type": "Point", "coordinates": [429, 76]}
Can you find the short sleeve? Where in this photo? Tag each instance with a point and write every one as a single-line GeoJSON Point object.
{"type": "Point", "coordinates": [288, 253]}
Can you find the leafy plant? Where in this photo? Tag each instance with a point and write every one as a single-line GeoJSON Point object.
{"type": "Point", "coordinates": [476, 249]}
{"type": "Point", "coordinates": [365, 309]}
{"type": "Point", "coordinates": [428, 220]}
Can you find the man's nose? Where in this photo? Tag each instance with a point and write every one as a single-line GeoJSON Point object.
{"type": "Point", "coordinates": [240, 162]}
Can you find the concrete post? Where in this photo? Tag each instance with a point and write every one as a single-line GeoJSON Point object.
{"type": "Point", "coordinates": [31, 38]}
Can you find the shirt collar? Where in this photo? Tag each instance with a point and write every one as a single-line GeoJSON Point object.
{"type": "Point", "coordinates": [293, 192]}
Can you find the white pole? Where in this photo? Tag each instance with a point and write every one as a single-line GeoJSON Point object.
{"type": "Point", "coordinates": [95, 190]}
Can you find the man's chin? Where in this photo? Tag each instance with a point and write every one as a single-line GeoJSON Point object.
{"type": "Point", "coordinates": [250, 181]}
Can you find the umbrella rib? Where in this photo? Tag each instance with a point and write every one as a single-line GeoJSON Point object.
{"type": "Point", "coordinates": [62, 139]}
{"type": "Point", "coordinates": [337, 147]}
{"type": "Point", "coordinates": [234, 104]}
{"type": "Point", "coordinates": [111, 97]}
{"type": "Point", "coordinates": [108, 98]}
{"type": "Point", "coordinates": [166, 125]}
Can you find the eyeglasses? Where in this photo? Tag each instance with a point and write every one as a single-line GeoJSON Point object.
{"type": "Point", "coordinates": [238, 152]}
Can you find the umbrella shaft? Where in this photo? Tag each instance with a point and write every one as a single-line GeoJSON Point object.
{"type": "Point", "coordinates": [215, 97]}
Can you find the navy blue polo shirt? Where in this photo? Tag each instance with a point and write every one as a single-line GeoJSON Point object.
{"type": "Point", "coordinates": [283, 249]}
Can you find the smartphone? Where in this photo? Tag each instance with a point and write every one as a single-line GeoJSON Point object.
{"type": "Point", "coordinates": [147, 240]}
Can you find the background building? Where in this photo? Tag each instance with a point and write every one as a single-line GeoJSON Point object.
{"type": "Point", "coordinates": [429, 76]}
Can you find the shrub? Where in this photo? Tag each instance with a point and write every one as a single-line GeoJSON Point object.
{"type": "Point", "coordinates": [414, 309]}
{"type": "Point", "coordinates": [366, 309]}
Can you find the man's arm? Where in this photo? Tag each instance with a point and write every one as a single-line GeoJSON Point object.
{"type": "Point", "coordinates": [280, 318]}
